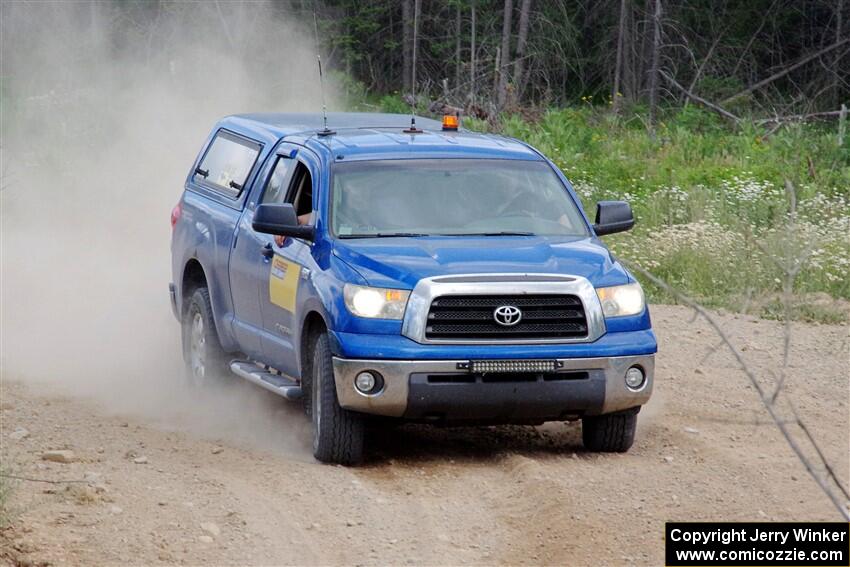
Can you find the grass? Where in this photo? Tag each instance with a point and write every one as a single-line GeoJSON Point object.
{"type": "Point", "coordinates": [711, 201]}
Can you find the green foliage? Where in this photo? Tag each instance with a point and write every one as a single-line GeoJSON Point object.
{"type": "Point", "coordinates": [815, 310]}
{"type": "Point", "coordinates": [696, 120]}
{"type": "Point", "coordinates": [693, 148]}
{"type": "Point", "coordinates": [710, 200]}
{"type": "Point", "coordinates": [393, 103]}
{"type": "Point", "coordinates": [352, 90]}
{"type": "Point", "coordinates": [718, 88]}
{"type": "Point", "coordinates": [570, 50]}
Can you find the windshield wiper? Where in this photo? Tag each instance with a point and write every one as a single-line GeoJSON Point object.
{"type": "Point", "coordinates": [500, 233]}
{"type": "Point", "coordinates": [384, 235]}
{"type": "Point", "coordinates": [419, 234]}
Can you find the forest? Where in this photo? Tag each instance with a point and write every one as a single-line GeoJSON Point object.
{"type": "Point", "coordinates": [724, 125]}
{"type": "Point", "coordinates": [775, 58]}
{"type": "Point", "coordinates": [721, 122]}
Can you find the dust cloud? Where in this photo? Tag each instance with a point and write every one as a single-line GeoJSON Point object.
{"type": "Point", "coordinates": [104, 107]}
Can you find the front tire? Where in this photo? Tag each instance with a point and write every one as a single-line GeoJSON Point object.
{"type": "Point", "coordinates": [338, 434]}
{"type": "Point", "coordinates": [205, 360]}
{"type": "Point", "coordinates": [610, 433]}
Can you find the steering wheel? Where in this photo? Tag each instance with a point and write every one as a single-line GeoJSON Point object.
{"type": "Point", "coordinates": [516, 205]}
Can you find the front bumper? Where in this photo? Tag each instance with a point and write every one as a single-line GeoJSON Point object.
{"type": "Point", "coordinates": [446, 390]}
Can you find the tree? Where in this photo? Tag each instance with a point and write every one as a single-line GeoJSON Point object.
{"type": "Point", "coordinates": [653, 68]}
{"type": "Point", "coordinates": [472, 53]}
{"type": "Point", "coordinates": [616, 94]}
{"type": "Point", "coordinates": [417, 11]}
{"type": "Point", "coordinates": [458, 29]}
{"type": "Point", "coordinates": [505, 54]}
{"type": "Point", "coordinates": [782, 56]}
{"type": "Point", "coordinates": [407, 43]}
{"type": "Point", "coordinates": [836, 79]}
{"type": "Point", "coordinates": [522, 40]}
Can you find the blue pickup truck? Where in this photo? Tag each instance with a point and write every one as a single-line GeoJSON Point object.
{"type": "Point", "coordinates": [371, 266]}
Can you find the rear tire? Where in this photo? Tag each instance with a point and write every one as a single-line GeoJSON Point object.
{"type": "Point", "coordinates": [205, 360]}
{"type": "Point", "coordinates": [610, 433]}
{"type": "Point", "coordinates": [338, 434]}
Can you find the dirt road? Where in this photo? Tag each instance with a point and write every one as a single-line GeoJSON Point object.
{"type": "Point", "coordinates": [511, 495]}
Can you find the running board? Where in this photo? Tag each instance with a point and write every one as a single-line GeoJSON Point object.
{"type": "Point", "coordinates": [280, 385]}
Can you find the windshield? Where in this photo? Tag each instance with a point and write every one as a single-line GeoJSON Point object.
{"type": "Point", "coordinates": [453, 197]}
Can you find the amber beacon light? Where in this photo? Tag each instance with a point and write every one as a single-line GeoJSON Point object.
{"type": "Point", "coordinates": [450, 122]}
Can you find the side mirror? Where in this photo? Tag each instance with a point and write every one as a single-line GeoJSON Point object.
{"type": "Point", "coordinates": [613, 216]}
{"type": "Point", "coordinates": [280, 219]}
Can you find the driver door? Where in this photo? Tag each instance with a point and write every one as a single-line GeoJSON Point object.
{"type": "Point", "coordinates": [289, 265]}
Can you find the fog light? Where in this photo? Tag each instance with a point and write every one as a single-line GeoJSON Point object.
{"type": "Point", "coordinates": [635, 377]}
{"type": "Point", "coordinates": [365, 382]}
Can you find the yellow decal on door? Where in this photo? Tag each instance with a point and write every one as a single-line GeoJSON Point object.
{"type": "Point", "coordinates": [283, 283]}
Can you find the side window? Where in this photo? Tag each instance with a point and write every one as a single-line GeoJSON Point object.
{"type": "Point", "coordinates": [300, 194]}
{"type": "Point", "coordinates": [276, 188]}
{"type": "Point", "coordinates": [227, 163]}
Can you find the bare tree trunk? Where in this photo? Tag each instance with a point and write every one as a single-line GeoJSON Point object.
{"type": "Point", "coordinates": [630, 69]}
{"type": "Point", "coordinates": [702, 65]}
{"type": "Point", "coordinates": [785, 71]}
{"type": "Point", "coordinates": [458, 28]}
{"type": "Point", "coordinates": [406, 42]}
{"type": "Point", "coordinates": [616, 95]}
{"type": "Point", "coordinates": [497, 76]}
{"type": "Point", "coordinates": [643, 54]}
{"type": "Point", "coordinates": [653, 70]}
{"type": "Point", "coordinates": [521, 42]}
{"type": "Point", "coordinates": [753, 37]}
{"type": "Point", "coordinates": [502, 70]}
{"type": "Point", "coordinates": [722, 111]}
{"type": "Point", "coordinates": [472, 55]}
{"type": "Point", "coordinates": [417, 11]}
{"type": "Point", "coordinates": [836, 82]}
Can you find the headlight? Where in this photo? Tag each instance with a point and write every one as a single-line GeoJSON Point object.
{"type": "Point", "coordinates": [620, 300]}
{"type": "Point", "coordinates": [375, 302]}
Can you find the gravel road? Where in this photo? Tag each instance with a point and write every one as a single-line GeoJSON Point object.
{"type": "Point", "coordinates": [176, 492]}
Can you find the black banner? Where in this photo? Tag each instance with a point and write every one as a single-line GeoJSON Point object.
{"type": "Point", "coordinates": [762, 544]}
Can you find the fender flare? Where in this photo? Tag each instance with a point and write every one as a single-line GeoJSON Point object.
{"type": "Point", "coordinates": [313, 306]}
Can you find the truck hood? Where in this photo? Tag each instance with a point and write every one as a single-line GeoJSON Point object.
{"type": "Point", "coordinates": [401, 262]}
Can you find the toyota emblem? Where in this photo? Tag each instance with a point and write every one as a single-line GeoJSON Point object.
{"type": "Point", "coordinates": [507, 315]}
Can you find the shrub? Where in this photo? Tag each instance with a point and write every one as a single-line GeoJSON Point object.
{"type": "Point", "coordinates": [710, 199]}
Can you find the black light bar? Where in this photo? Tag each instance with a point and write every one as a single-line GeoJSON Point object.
{"type": "Point", "coordinates": [504, 366]}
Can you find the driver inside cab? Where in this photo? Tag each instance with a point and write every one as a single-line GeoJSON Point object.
{"type": "Point", "coordinates": [299, 192]}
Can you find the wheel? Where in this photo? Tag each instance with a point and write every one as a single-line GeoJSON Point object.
{"type": "Point", "coordinates": [610, 433]}
{"type": "Point", "coordinates": [205, 359]}
{"type": "Point", "coordinates": [338, 434]}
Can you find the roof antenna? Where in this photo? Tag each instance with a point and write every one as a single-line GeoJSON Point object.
{"type": "Point", "coordinates": [324, 131]}
{"type": "Point", "coordinates": [413, 129]}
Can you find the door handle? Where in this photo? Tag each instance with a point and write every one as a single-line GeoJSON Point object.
{"type": "Point", "coordinates": [267, 250]}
